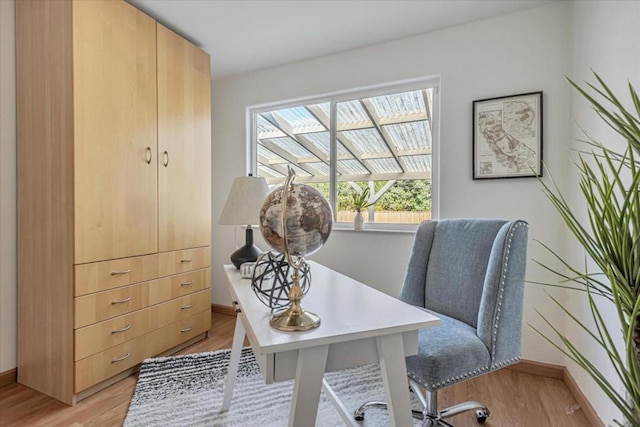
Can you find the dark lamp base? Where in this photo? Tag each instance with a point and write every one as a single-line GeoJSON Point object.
{"type": "Point", "coordinates": [245, 254]}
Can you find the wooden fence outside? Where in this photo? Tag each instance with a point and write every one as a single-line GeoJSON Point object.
{"type": "Point", "coordinates": [387, 217]}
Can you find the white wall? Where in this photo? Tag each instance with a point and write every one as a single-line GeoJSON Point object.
{"type": "Point", "coordinates": [521, 52]}
{"type": "Point", "coordinates": [605, 38]}
{"type": "Point", "coordinates": [8, 333]}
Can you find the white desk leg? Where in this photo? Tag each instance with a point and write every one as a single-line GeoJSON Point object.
{"type": "Point", "coordinates": [232, 372]}
{"type": "Point", "coordinates": [394, 375]}
{"type": "Point", "coordinates": [307, 386]}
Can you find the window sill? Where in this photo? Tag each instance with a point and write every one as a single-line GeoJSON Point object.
{"type": "Point", "coordinates": [376, 228]}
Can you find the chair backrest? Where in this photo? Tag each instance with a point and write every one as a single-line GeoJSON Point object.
{"type": "Point", "coordinates": [471, 270]}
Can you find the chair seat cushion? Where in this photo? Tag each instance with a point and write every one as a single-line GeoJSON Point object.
{"type": "Point", "coordinates": [447, 354]}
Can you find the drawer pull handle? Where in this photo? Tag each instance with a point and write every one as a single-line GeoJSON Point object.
{"type": "Point", "coordinates": [117, 331]}
{"type": "Point", "coordinates": [186, 329]}
{"type": "Point", "coordinates": [120, 359]}
{"type": "Point", "coordinates": [186, 283]}
{"type": "Point", "coordinates": [184, 307]}
{"type": "Point", "coordinates": [118, 273]}
{"type": "Point", "coordinates": [187, 260]}
{"type": "Point", "coordinates": [122, 301]}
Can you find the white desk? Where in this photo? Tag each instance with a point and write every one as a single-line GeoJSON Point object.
{"type": "Point", "coordinates": [359, 325]}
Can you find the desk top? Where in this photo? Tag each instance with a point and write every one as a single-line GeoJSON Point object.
{"type": "Point", "coordinates": [348, 309]}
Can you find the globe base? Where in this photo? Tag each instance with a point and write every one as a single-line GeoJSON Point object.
{"type": "Point", "coordinates": [293, 321]}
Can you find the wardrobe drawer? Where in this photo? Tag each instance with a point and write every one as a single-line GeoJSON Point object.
{"type": "Point", "coordinates": [179, 285]}
{"type": "Point", "coordinates": [181, 308]}
{"type": "Point", "coordinates": [100, 276]}
{"type": "Point", "coordinates": [170, 336]}
{"type": "Point", "coordinates": [99, 367]}
{"type": "Point", "coordinates": [182, 261]}
{"type": "Point", "coordinates": [100, 306]}
{"type": "Point", "coordinates": [101, 336]}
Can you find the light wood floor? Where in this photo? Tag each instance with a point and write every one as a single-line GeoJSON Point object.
{"type": "Point", "coordinates": [515, 399]}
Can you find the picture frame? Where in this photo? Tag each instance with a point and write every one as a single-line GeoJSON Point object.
{"type": "Point", "coordinates": [508, 137]}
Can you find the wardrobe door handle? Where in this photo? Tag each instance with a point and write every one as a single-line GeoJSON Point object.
{"type": "Point", "coordinates": [117, 331]}
{"type": "Point", "coordinates": [165, 158]}
{"type": "Point", "coordinates": [122, 301]}
{"type": "Point", "coordinates": [184, 307]}
{"type": "Point", "coordinates": [148, 155]}
{"type": "Point", "coordinates": [120, 359]}
{"type": "Point", "coordinates": [186, 329]}
{"type": "Point", "coordinates": [186, 283]}
{"type": "Point", "coordinates": [118, 273]}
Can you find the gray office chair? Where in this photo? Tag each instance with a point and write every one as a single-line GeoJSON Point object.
{"type": "Point", "coordinates": [469, 273]}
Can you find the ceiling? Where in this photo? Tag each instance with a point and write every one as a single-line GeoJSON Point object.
{"type": "Point", "coordinates": [249, 35]}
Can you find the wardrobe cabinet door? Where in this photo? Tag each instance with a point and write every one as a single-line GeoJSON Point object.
{"type": "Point", "coordinates": [114, 56]}
{"type": "Point", "coordinates": [184, 143]}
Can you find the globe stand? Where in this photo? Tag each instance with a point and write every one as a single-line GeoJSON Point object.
{"type": "Point", "coordinates": [295, 318]}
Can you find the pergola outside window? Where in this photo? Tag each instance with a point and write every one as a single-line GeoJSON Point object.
{"type": "Point", "coordinates": [382, 141]}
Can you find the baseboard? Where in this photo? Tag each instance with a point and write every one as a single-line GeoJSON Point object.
{"type": "Point", "coordinates": [538, 368]}
{"type": "Point", "coordinates": [561, 373]}
{"type": "Point", "coordinates": [581, 399]}
{"type": "Point", "coordinates": [223, 309]}
{"type": "Point", "coordinates": [9, 377]}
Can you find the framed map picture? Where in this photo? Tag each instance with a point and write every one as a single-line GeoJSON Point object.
{"type": "Point", "coordinates": [507, 136]}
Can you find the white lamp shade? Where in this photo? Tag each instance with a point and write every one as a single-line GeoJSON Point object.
{"type": "Point", "coordinates": [244, 201]}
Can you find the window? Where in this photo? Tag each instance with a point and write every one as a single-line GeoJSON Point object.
{"type": "Point", "coordinates": [382, 140]}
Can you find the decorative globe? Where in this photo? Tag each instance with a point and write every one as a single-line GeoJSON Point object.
{"type": "Point", "coordinates": [309, 220]}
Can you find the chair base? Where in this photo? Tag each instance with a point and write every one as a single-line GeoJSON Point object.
{"type": "Point", "coordinates": [430, 415]}
{"type": "Point", "coordinates": [482, 412]}
{"type": "Point", "coordinates": [436, 423]}
{"type": "Point", "coordinates": [358, 414]}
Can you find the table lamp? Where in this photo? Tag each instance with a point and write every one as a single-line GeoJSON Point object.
{"type": "Point", "coordinates": [243, 208]}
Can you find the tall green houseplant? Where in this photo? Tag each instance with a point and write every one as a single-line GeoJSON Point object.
{"type": "Point", "coordinates": [610, 185]}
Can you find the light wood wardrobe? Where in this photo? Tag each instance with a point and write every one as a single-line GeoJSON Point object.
{"type": "Point", "coordinates": [114, 149]}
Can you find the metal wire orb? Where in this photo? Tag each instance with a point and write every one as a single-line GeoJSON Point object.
{"type": "Point", "coordinates": [272, 280]}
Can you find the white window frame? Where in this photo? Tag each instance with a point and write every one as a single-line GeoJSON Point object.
{"type": "Point", "coordinates": [333, 99]}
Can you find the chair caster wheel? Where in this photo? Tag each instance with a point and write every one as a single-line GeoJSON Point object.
{"type": "Point", "coordinates": [482, 415]}
{"type": "Point", "coordinates": [359, 417]}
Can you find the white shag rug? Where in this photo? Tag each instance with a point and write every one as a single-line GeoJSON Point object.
{"type": "Point", "coordinates": [187, 391]}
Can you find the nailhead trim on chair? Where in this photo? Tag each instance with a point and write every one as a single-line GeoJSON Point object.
{"type": "Point", "coordinates": [468, 375]}
{"type": "Point", "coordinates": [479, 371]}
{"type": "Point", "coordinates": [501, 292]}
